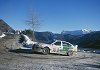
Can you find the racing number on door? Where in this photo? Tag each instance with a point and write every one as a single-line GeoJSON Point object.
{"type": "Point", "coordinates": [56, 46]}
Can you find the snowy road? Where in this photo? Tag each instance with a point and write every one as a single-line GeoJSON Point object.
{"type": "Point", "coordinates": [29, 61]}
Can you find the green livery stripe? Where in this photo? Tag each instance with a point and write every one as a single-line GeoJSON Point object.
{"type": "Point", "coordinates": [65, 47]}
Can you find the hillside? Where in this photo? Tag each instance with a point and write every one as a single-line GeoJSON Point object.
{"type": "Point", "coordinates": [4, 27]}
{"type": "Point", "coordinates": [9, 42]}
{"type": "Point", "coordinates": [91, 40]}
{"type": "Point", "coordinates": [45, 37]}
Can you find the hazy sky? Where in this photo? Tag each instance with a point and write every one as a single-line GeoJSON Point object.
{"type": "Point", "coordinates": [57, 15]}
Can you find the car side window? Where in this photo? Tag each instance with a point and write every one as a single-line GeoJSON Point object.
{"type": "Point", "coordinates": [57, 43]}
{"type": "Point", "coordinates": [66, 44]}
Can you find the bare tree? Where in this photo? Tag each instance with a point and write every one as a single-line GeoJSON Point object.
{"type": "Point", "coordinates": [34, 22]}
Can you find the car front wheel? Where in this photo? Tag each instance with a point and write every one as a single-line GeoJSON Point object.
{"type": "Point", "coordinates": [46, 50]}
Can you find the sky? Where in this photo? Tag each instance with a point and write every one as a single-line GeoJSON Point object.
{"type": "Point", "coordinates": [55, 15]}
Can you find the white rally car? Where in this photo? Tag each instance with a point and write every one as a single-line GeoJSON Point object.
{"type": "Point", "coordinates": [60, 47]}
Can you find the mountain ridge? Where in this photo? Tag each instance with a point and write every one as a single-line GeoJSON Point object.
{"type": "Point", "coordinates": [77, 32]}
{"type": "Point", "coordinates": [4, 27]}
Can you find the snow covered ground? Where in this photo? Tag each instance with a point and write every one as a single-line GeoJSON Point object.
{"type": "Point", "coordinates": [25, 61]}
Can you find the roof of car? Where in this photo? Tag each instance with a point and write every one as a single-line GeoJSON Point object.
{"type": "Point", "coordinates": [61, 41]}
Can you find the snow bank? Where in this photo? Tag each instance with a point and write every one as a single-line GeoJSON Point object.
{"type": "Point", "coordinates": [28, 41]}
{"type": "Point", "coordinates": [3, 35]}
{"type": "Point", "coordinates": [27, 44]}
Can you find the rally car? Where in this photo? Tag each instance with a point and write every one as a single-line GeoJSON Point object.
{"type": "Point", "coordinates": [60, 47]}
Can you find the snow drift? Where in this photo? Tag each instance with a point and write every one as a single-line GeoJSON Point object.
{"type": "Point", "coordinates": [27, 44]}
{"type": "Point", "coordinates": [3, 35]}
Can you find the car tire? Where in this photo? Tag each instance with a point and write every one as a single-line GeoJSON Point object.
{"type": "Point", "coordinates": [70, 53]}
{"type": "Point", "coordinates": [46, 50]}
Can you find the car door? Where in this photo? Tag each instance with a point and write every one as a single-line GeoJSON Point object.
{"type": "Point", "coordinates": [56, 46]}
{"type": "Point", "coordinates": [66, 46]}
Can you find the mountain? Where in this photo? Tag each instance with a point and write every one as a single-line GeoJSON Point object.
{"type": "Point", "coordinates": [44, 37]}
{"type": "Point", "coordinates": [69, 38]}
{"type": "Point", "coordinates": [49, 37]}
{"type": "Point", "coordinates": [76, 32]}
{"type": "Point", "coordinates": [91, 40]}
{"type": "Point", "coordinates": [4, 27]}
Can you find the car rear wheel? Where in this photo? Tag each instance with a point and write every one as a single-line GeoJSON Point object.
{"type": "Point", "coordinates": [70, 53]}
{"type": "Point", "coordinates": [46, 50]}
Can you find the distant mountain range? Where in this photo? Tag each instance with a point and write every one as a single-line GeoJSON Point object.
{"type": "Point", "coordinates": [77, 32]}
